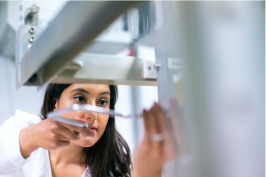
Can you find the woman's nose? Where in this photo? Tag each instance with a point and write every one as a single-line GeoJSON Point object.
{"type": "Point", "coordinates": [91, 115]}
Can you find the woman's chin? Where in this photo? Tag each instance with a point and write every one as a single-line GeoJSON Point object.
{"type": "Point", "coordinates": [85, 141]}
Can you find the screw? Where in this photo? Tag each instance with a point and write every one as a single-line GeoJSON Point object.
{"type": "Point", "coordinates": [31, 30]}
{"type": "Point", "coordinates": [32, 39]}
{"type": "Point", "coordinates": [157, 66]}
{"type": "Point", "coordinates": [149, 68]}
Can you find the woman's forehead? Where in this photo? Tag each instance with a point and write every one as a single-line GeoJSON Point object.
{"type": "Point", "coordinates": [90, 87]}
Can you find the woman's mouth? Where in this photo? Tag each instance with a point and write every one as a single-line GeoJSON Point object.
{"type": "Point", "coordinates": [92, 128]}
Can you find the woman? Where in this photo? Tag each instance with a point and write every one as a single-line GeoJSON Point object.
{"type": "Point", "coordinates": [33, 146]}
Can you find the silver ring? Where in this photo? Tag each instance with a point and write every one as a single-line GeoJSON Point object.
{"type": "Point", "coordinates": [156, 137]}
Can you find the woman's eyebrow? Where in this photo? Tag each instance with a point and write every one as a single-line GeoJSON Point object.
{"type": "Point", "coordinates": [80, 90]}
{"type": "Point", "coordinates": [103, 93]}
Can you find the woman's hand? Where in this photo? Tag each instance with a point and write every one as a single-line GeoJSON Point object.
{"type": "Point", "coordinates": [152, 154]}
{"type": "Point", "coordinates": [49, 135]}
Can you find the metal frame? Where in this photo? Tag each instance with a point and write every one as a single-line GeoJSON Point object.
{"type": "Point", "coordinates": [66, 37]}
{"type": "Point", "coordinates": [93, 68]}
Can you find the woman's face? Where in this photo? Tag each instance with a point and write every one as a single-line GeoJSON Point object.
{"type": "Point", "coordinates": [96, 95]}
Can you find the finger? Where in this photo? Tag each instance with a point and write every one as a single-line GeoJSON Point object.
{"type": "Point", "coordinates": [68, 134]}
{"type": "Point", "coordinates": [81, 130]}
{"type": "Point", "coordinates": [158, 117]}
{"type": "Point", "coordinates": [61, 143]}
{"type": "Point", "coordinates": [156, 146]}
{"type": "Point", "coordinates": [163, 122]}
{"type": "Point", "coordinates": [167, 146]}
{"type": "Point", "coordinates": [79, 119]}
{"type": "Point", "coordinates": [151, 117]}
{"type": "Point", "coordinates": [146, 125]}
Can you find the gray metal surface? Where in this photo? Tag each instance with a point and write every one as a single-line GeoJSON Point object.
{"type": "Point", "coordinates": [225, 86]}
{"type": "Point", "coordinates": [103, 69]}
{"type": "Point", "coordinates": [110, 43]}
{"type": "Point", "coordinates": [169, 77]}
{"type": "Point", "coordinates": [167, 39]}
{"type": "Point", "coordinates": [165, 94]}
{"type": "Point", "coordinates": [167, 33]}
{"type": "Point", "coordinates": [25, 33]}
{"type": "Point", "coordinates": [75, 27]}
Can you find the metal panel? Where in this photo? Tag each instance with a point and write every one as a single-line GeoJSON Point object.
{"type": "Point", "coordinates": [169, 77]}
{"type": "Point", "coordinates": [110, 43]}
{"type": "Point", "coordinates": [26, 36]}
{"type": "Point", "coordinates": [104, 69]}
{"type": "Point", "coordinates": [225, 85]}
{"type": "Point", "coordinates": [76, 26]}
{"type": "Point", "coordinates": [165, 93]}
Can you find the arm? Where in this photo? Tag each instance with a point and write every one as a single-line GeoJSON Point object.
{"type": "Point", "coordinates": [10, 157]}
{"type": "Point", "coordinates": [18, 140]}
{"type": "Point", "coordinates": [48, 134]}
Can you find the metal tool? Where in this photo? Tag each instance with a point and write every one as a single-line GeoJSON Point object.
{"type": "Point", "coordinates": [69, 121]}
{"type": "Point", "coordinates": [57, 115]}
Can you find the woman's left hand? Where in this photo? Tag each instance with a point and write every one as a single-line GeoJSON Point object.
{"type": "Point", "coordinates": [153, 151]}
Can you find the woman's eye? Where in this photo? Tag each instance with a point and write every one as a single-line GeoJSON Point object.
{"type": "Point", "coordinates": [102, 102]}
{"type": "Point", "coordinates": [79, 98]}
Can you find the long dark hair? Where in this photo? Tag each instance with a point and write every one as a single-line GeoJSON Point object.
{"type": "Point", "coordinates": [110, 156]}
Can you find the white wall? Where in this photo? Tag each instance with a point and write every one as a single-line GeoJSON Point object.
{"type": "Point", "coordinates": [25, 98]}
{"type": "Point", "coordinates": [132, 128]}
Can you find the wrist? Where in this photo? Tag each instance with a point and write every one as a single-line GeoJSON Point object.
{"type": "Point", "coordinates": [26, 142]}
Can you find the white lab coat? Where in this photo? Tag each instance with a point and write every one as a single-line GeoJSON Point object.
{"type": "Point", "coordinates": [12, 164]}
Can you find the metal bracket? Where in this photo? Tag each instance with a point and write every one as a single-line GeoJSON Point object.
{"type": "Point", "coordinates": [60, 44]}
{"type": "Point", "coordinates": [31, 15]}
{"type": "Point", "coordinates": [149, 69]}
{"type": "Point", "coordinates": [26, 37]}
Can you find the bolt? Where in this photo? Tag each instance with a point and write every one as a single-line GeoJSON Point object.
{"type": "Point", "coordinates": [31, 30]}
{"type": "Point", "coordinates": [157, 66]}
{"type": "Point", "coordinates": [32, 40]}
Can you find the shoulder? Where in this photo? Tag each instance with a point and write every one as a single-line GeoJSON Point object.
{"type": "Point", "coordinates": [26, 118]}
{"type": "Point", "coordinates": [19, 121]}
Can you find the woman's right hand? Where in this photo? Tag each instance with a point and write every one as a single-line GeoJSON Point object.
{"type": "Point", "coordinates": [48, 134]}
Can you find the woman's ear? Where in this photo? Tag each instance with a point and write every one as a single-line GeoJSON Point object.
{"type": "Point", "coordinates": [55, 104]}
